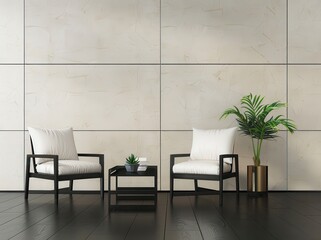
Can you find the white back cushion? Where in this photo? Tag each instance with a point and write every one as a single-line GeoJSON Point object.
{"type": "Point", "coordinates": [57, 142]}
{"type": "Point", "coordinates": [209, 144]}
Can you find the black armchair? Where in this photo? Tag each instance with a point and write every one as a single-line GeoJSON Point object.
{"type": "Point", "coordinates": [52, 166]}
{"type": "Point", "coordinates": [205, 168]}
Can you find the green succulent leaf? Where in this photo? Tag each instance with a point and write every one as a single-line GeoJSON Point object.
{"type": "Point", "coordinates": [132, 159]}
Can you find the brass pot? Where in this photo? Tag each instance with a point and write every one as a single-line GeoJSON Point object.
{"type": "Point", "coordinates": [257, 179]}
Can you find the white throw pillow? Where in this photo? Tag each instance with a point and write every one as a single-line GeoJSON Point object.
{"type": "Point", "coordinates": [209, 144]}
{"type": "Point", "coordinates": [57, 142]}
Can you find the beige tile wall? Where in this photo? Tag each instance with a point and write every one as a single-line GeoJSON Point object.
{"type": "Point", "coordinates": [304, 29]}
{"type": "Point", "coordinates": [137, 76]}
{"type": "Point", "coordinates": [11, 97]}
{"type": "Point", "coordinates": [99, 31]}
{"type": "Point", "coordinates": [196, 96]}
{"type": "Point", "coordinates": [11, 31]}
{"type": "Point", "coordinates": [304, 161]}
{"type": "Point", "coordinates": [93, 97]}
{"type": "Point", "coordinates": [226, 31]}
{"type": "Point", "coordinates": [12, 160]}
{"type": "Point", "coordinates": [305, 95]}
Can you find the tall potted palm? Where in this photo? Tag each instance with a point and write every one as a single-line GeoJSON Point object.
{"type": "Point", "coordinates": [255, 120]}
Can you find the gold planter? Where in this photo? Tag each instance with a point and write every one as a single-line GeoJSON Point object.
{"type": "Point", "coordinates": [257, 180]}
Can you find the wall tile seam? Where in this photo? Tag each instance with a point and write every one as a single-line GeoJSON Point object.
{"type": "Point", "coordinates": [287, 89]}
{"type": "Point", "coordinates": [160, 64]}
{"type": "Point", "coordinates": [163, 130]}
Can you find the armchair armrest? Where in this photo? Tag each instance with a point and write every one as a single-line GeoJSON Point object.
{"type": "Point", "coordinates": [90, 155]}
{"type": "Point", "coordinates": [235, 158]}
{"type": "Point", "coordinates": [41, 156]}
{"type": "Point", "coordinates": [173, 156]}
{"type": "Point", "coordinates": [34, 156]}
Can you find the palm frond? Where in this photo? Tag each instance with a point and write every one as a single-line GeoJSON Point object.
{"type": "Point", "coordinates": [253, 120]}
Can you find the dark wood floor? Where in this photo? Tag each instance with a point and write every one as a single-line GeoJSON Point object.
{"type": "Point", "coordinates": [84, 216]}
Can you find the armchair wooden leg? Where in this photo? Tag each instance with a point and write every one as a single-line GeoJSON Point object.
{"type": "Point", "coordinates": [196, 185]}
{"type": "Point", "coordinates": [56, 190]}
{"type": "Point", "coordinates": [27, 187]}
{"type": "Point", "coordinates": [102, 188]}
{"type": "Point", "coordinates": [71, 185]}
{"type": "Point", "coordinates": [221, 193]}
{"type": "Point", "coordinates": [27, 178]}
{"type": "Point", "coordinates": [171, 187]}
{"type": "Point", "coordinates": [237, 182]}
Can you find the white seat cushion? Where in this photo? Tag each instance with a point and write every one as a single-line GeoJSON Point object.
{"type": "Point", "coordinates": [200, 167]}
{"type": "Point", "coordinates": [55, 142]}
{"type": "Point", "coordinates": [69, 167]}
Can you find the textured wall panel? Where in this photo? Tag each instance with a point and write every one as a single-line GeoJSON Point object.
{"type": "Point", "coordinates": [196, 96]}
{"type": "Point", "coordinates": [304, 31]}
{"type": "Point", "coordinates": [93, 97]}
{"type": "Point", "coordinates": [96, 31]}
{"type": "Point", "coordinates": [229, 31]}
{"type": "Point", "coordinates": [11, 97]}
{"type": "Point", "coordinates": [304, 161]}
{"type": "Point", "coordinates": [12, 161]}
{"type": "Point", "coordinates": [305, 96]}
{"type": "Point", "coordinates": [11, 31]}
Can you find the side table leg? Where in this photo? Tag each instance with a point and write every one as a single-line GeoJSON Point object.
{"type": "Point", "coordinates": [116, 188]}
{"type": "Point", "coordinates": [109, 191]}
{"type": "Point", "coordinates": [155, 189]}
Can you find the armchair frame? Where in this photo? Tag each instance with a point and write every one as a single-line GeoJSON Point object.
{"type": "Point", "coordinates": [56, 177]}
{"type": "Point", "coordinates": [221, 177]}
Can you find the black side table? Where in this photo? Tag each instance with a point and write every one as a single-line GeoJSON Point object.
{"type": "Point", "coordinates": [132, 193]}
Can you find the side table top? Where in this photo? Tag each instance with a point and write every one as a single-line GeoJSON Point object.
{"type": "Point", "coordinates": [120, 170]}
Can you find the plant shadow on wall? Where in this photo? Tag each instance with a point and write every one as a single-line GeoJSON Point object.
{"type": "Point", "coordinates": [255, 120]}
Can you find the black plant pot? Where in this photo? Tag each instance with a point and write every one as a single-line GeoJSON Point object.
{"type": "Point", "coordinates": [131, 167]}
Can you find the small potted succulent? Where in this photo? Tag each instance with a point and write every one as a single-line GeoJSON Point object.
{"type": "Point", "coordinates": [132, 163]}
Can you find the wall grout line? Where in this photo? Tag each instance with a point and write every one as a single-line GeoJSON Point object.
{"type": "Point", "coordinates": [287, 91]}
{"type": "Point", "coordinates": [11, 64]}
{"type": "Point", "coordinates": [24, 87]}
{"type": "Point", "coordinates": [137, 130]}
{"type": "Point", "coordinates": [160, 94]}
{"type": "Point", "coordinates": [162, 64]}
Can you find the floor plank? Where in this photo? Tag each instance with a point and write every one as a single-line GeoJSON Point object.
{"type": "Point", "coordinates": [85, 222]}
{"type": "Point", "coordinates": [115, 226]}
{"type": "Point", "coordinates": [39, 208]}
{"type": "Point", "coordinates": [280, 215]}
{"type": "Point", "coordinates": [4, 196]}
{"type": "Point", "coordinates": [16, 201]}
{"type": "Point", "coordinates": [212, 224]}
{"type": "Point", "coordinates": [181, 222]}
{"type": "Point", "coordinates": [66, 212]}
{"type": "Point", "coordinates": [150, 225]}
